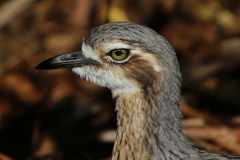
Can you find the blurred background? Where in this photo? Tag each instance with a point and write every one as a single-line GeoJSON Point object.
{"type": "Point", "coordinates": [47, 115]}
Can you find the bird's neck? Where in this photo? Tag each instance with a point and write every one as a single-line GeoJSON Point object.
{"type": "Point", "coordinates": [148, 126]}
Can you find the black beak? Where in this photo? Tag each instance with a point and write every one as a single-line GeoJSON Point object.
{"type": "Point", "coordinates": [69, 60]}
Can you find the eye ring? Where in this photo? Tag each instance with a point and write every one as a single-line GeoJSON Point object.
{"type": "Point", "coordinates": [119, 54]}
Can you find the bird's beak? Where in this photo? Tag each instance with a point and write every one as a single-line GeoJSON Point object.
{"type": "Point", "coordinates": [69, 60]}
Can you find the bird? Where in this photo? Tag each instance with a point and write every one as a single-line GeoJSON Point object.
{"type": "Point", "coordinates": [141, 69]}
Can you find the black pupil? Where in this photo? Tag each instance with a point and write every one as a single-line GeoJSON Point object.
{"type": "Point", "coordinates": [118, 53]}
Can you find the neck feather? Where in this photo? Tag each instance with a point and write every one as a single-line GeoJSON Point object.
{"type": "Point", "coordinates": [149, 126]}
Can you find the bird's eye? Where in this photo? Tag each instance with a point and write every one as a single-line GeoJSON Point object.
{"type": "Point", "coordinates": [119, 54]}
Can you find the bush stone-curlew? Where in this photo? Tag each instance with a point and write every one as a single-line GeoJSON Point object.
{"type": "Point", "coordinates": [141, 69]}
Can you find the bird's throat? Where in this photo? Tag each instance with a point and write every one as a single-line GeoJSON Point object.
{"type": "Point", "coordinates": [143, 127]}
{"type": "Point", "coordinates": [131, 125]}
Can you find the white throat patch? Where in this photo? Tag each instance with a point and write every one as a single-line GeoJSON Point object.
{"type": "Point", "coordinates": [103, 78]}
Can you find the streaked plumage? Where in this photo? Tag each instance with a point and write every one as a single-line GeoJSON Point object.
{"type": "Point", "coordinates": [146, 85]}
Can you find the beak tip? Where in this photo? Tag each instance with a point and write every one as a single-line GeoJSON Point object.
{"type": "Point", "coordinates": [45, 65]}
{"type": "Point", "coordinates": [39, 67]}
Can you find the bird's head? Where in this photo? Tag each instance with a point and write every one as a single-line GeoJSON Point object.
{"type": "Point", "coordinates": [122, 56]}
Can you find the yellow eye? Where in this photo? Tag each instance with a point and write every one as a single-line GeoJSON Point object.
{"type": "Point", "coordinates": [119, 54]}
